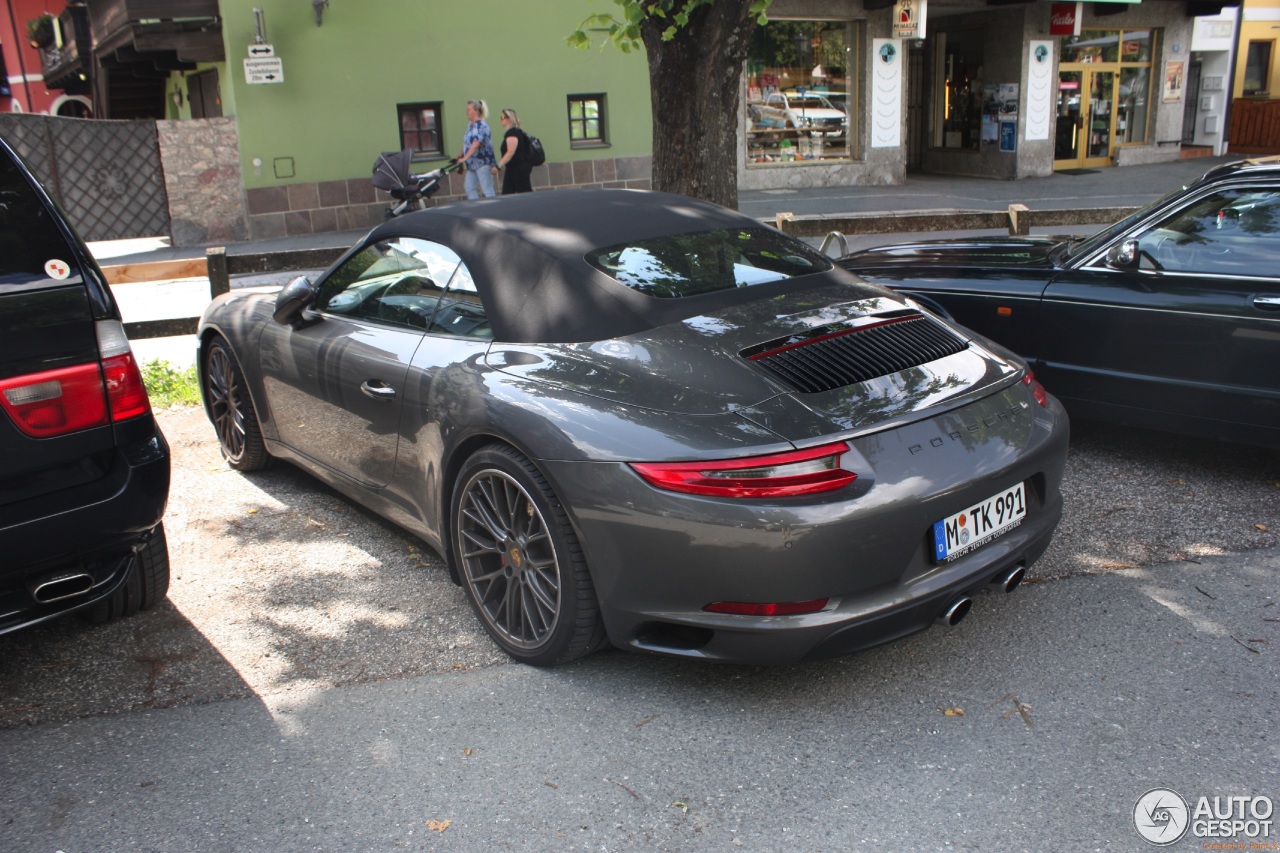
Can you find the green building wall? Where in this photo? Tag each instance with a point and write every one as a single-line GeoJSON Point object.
{"type": "Point", "coordinates": [335, 109]}
{"type": "Point", "coordinates": [309, 142]}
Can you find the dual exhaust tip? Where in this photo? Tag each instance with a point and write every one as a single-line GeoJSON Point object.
{"type": "Point", "coordinates": [960, 606]}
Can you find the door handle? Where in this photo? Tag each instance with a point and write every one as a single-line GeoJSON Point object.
{"type": "Point", "coordinates": [377, 390]}
{"type": "Point", "coordinates": [1267, 302]}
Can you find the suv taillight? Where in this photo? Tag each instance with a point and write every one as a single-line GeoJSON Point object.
{"type": "Point", "coordinates": [68, 399]}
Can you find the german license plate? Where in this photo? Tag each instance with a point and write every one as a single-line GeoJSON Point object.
{"type": "Point", "coordinates": [957, 535]}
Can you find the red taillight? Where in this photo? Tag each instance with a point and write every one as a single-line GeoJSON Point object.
{"type": "Point", "coordinates": [125, 391]}
{"type": "Point", "coordinates": [795, 472]}
{"type": "Point", "coordinates": [1037, 390]}
{"type": "Point", "coordinates": [56, 402]}
{"type": "Point", "coordinates": [68, 399]}
{"type": "Point", "coordinates": [786, 608]}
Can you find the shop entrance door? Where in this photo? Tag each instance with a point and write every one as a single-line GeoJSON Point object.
{"type": "Point", "coordinates": [1086, 118]}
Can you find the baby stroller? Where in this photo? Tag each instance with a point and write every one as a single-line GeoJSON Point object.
{"type": "Point", "coordinates": [391, 173]}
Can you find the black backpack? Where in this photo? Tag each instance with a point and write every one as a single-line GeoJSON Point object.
{"type": "Point", "coordinates": [536, 155]}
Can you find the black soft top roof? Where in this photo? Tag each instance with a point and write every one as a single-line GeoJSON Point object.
{"type": "Point", "coordinates": [526, 254]}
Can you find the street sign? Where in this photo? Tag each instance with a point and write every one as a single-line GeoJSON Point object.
{"type": "Point", "coordinates": [258, 51]}
{"type": "Point", "coordinates": [267, 70]}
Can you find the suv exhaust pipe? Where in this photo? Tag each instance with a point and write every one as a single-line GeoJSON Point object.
{"type": "Point", "coordinates": [1009, 580]}
{"type": "Point", "coordinates": [955, 611]}
{"type": "Point", "coordinates": [60, 587]}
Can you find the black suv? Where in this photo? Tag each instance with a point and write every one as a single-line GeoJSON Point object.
{"type": "Point", "coordinates": [84, 470]}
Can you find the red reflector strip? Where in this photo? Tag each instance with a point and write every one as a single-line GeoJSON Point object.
{"type": "Point", "coordinates": [829, 336]}
{"type": "Point", "coordinates": [787, 608]}
{"type": "Point", "coordinates": [56, 402]}
{"type": "Point", "coordinates": [795, 472]}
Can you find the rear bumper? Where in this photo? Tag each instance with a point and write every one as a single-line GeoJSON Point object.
{"type": "Point", "coordinates": [849, 623]}
{"type": "Point", "coordinates": [93, 530]}
{"type": "Point", "coordinates": [659, 559]}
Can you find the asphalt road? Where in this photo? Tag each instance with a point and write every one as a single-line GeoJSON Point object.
{"type": "Point", "coordinates": [316, 683]}
{"type": "Point", "coordinates": [1035, 725]}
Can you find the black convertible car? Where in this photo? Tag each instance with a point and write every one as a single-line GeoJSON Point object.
{"type": "Point", "coordinates": [637, 419]}
{"type": "Point", "coordinates": [1169, 319]}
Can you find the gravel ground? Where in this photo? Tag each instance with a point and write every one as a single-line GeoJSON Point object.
{"type": "Point", "coordinates": [281, 584]}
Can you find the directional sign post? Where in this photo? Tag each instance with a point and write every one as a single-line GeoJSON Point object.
{"type": "Point", "coordinates": [263, 66]}
{"type": "Point", "coordinates": [268, 70]}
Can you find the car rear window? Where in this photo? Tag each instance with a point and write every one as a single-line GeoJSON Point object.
{"type": "Point", "coordinates": [33, 253]}
{"type": "Point", "coordinates": [681, 265]}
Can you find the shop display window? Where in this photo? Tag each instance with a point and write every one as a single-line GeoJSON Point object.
{"type": "Point", "coordinates": [1108, 46]}
{"type": "Point", "coordinates": [958, 58]}
{"type": "Point", "coordinates": [802, 92]}
{"type": "Point", "coordinates": [1112, 70]}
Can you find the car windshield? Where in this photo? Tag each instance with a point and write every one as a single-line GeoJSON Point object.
{"type": "Point", "coordinates": [682, 265]}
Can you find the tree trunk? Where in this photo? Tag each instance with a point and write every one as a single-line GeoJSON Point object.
{"type": "Point", "coordinates": [695, 80]}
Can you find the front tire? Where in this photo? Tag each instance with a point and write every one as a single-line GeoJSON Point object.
{"type": "Point", "coordinates": [521, 564]}
{"type": "Point", "coordinates": [231, 409]}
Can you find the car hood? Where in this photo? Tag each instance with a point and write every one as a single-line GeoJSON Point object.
{"type": "Point", "coordinates": [809, 363]}
{"type": "Point", "coordinates": [986, 252]}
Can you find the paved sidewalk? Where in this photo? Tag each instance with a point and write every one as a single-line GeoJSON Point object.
{"type": "Point", "coordinates": [1114, 187]}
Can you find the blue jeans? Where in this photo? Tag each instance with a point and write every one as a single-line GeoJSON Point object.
{"type": "Point", "coordinates": [480, 180]}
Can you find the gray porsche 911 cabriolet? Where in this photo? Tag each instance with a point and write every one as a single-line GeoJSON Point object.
{"type": "Point", "coordinates": [636, 419]}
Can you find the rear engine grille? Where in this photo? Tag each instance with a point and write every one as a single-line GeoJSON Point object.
{"type": "Point", "coordinates": [833, 357]}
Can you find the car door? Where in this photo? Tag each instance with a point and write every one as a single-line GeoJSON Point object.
{"type": "Point", "coordinates": [336, 384]}
{"type": "Point", "coordinates": [1192, 329]}
{"type": "Point", "coordinates": [445, 396]}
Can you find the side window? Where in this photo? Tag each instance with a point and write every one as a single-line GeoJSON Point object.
{"type": "Point", "coordinates": [1232, 232]}
{"type": "Point", "coordinates": [461, 312]}
{"type": "Point", "coordinates": [33, 253]}
{"type": "Point", "coordinates": [400, 282]}
{"type": "Point", "coordinates": [420, 126]}
{"type": "Point", "coordinates": [587, 121]}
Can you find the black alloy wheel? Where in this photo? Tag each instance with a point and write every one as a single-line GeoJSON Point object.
{"type": "Point", "coordinates": [231, 410]}
{"type": "Point", "coordinates": [521, 565]}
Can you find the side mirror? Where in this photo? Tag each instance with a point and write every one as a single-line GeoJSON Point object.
{"type": "Point", "coordinates": [1123, 256]}
{"type": "Point", "coordinates": [293, 299]}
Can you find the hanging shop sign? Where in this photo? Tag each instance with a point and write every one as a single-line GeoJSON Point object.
{"type": "Point", "coordinates": [909, 18]}
{"type": "Point", "coordinates": [1064, 19]}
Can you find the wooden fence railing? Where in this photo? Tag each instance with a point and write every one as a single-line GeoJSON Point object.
{"type": "Point", "coordinates": [1255, 127]}
{"type": "Point", "coordinates": [219, 266]}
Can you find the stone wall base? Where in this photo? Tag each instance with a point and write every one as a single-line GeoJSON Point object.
{"type": "Point", "coordinates": [354, 204]}
{"type": "Point", "coordinates": [1137, 155]}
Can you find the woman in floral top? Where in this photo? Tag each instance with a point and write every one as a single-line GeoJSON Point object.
{"type": "Point", "coordinates": [477, 152]}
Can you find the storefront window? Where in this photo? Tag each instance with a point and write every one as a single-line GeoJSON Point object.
{"type": "Point", "coordinates": [1108, 46]}
{"type": "Point", "coordinates": [802, 101]}
{"type": "Point", "coordinates": [1135, 91]}
{"type": "Point", "coordinates": [958, 58]}
{"type": "Point", "coordinates": [1114, 67]}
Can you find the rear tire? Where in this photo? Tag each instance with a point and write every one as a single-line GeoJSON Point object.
{"type": "Point", "coordinates": [231, 409]}
{"type": "Point", "coordinates": [147, 583]}
{"type": "Point", "coordinates": [520, 561]}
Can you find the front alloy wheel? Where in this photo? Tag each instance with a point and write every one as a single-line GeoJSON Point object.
{"type": "Point", "coordinates": [231, 410]}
